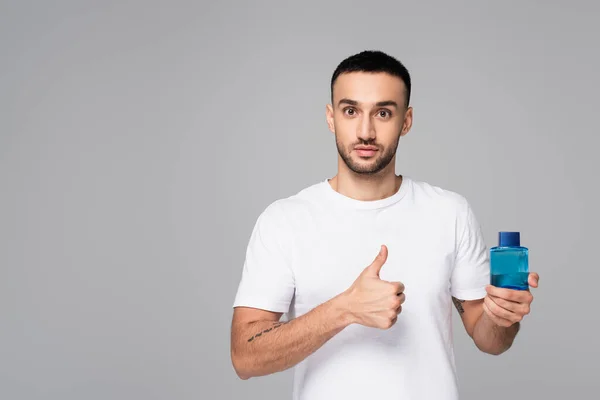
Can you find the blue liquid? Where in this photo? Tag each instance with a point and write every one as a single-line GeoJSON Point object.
{"type": "Point", "coordinates": [509, 267]}
{"type": "Point", "coordinates": [517, 281]}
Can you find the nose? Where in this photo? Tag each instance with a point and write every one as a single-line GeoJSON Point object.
{"type": "Point", "coordinates": [366, 129]}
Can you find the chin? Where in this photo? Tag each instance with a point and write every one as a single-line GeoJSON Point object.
{"type": "Point", "coordinates": [365, 171]}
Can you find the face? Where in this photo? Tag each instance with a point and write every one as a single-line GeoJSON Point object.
{"type": "Point", "coordinates": [368, 116]}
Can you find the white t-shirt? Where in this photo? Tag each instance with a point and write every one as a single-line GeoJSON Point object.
{"type": "Point", "coordinates": [309, 247]}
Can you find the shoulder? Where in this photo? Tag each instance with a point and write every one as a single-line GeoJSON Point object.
{"type": "Point", "coordinates": [301, 203]}
{"type": "Point", "coordinates": [439, 198]}
{"type": "Point", "coordinates": [448, 206]}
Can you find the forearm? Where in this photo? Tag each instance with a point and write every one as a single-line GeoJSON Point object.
{"type": "Point", "coordinates": [492, 338]}
{"type": "Point", "coordinates": [266, 347]}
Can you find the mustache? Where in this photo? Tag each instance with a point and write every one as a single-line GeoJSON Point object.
{"type": "Point", "coordinates": [366, 143]}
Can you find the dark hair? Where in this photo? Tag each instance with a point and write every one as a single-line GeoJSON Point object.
{"type": "Point", "coordinates": [373, 61]}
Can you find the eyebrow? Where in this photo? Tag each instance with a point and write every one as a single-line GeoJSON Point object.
{"type": "Point", "coordinates": [378, 104]}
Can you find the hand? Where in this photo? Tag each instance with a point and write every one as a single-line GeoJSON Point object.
{"type": "Point", "coordinates": [374, 302]}
{"type": "Point", "coordinates": [507, 306]}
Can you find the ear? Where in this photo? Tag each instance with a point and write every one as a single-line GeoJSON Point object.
{"type": "Point", "coordinates": [408, 119]}
{"type": "Point", "coordinates": [329, 115]}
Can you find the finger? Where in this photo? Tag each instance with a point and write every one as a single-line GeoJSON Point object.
{"type": "Point", "coordinates": [498, 321]}
{"type": "Point", "coordinates": [518, 296]}
{"type": "Point", "coordinates": [511, 306]}
{"type": "Point", "coordinates": [375, 267]}
{"type": "Point", "coordinates": [401, 298]}
{"type": "Point", "coordinates": [499, 311]}
{"type": "Point", "coordinates": [398, 288]}
{"type": "Point", "coordinates": [533, 279]}
{"type": "Point", "coordinates": [389, 320]}
{"type": "Point", "coordinates": [396, 303]}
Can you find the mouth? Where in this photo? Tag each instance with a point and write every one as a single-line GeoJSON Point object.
{"type": "Point", "coordinates": [365, 151]}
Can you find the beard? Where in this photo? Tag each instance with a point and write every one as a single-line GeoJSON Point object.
{"type": "Point", "coordinates": [370, 166]}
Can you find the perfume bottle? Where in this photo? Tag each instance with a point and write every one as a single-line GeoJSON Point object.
{"type": "Point", "coordinates": [509, 262]}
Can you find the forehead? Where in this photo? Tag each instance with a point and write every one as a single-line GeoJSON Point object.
{"type": "Point", "coordinates": [369, 87]}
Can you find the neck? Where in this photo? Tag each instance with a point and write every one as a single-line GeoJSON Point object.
{"type": "Point", "coordinates": [366, 187]}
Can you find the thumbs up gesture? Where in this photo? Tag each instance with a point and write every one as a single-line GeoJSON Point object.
{"type": "Point", "coordinates": [372, 301]}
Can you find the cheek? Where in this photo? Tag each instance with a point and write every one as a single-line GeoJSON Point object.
{"type": "Point", "coordinates": [390, 127]}
{"type": "Point", "coordinates": [345, 131]}
{"type": "Point", "coordinates": [345, 124]}
{"type": "Point", "coordinates": [388, 135]}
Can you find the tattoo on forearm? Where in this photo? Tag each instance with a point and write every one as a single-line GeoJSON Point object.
{"type": "Point", "coordinates": [458, 305]}
{"type": "Point", "coordinates": [275, 326]}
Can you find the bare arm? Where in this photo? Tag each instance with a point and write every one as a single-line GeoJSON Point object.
{"type": "Point", "coordinates": [263, 345]}
{"type": "Point", "coordinates": [492, 338]}
{"type": "Point", "coordinates": [487, 335]}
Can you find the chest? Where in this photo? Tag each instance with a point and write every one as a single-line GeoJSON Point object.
{"type": "Point", "coordinates": [330, 255]}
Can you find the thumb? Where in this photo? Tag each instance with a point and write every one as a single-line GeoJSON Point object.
{"type": "Point", "coordinates": [375, 267]}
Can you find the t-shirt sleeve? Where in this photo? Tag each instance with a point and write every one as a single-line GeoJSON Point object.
{"type": "Point", "coordinates": [267, 280]}
{"type": "Point", "coordinates": [471, 271]}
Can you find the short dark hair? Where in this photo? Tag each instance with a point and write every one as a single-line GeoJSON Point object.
{"type": "Point", "coordinates": [373, 61]}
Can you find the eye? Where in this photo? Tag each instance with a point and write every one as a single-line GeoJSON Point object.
{"type": "Point", "coordinates": [350, 111]}
{"type": "Point", "coordinates": [384, 113]}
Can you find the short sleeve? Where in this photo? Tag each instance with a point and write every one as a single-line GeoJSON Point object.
{"type": "Point", "coordinates": [267, 281]}
{"type": "Point", "coordinates": [471, 271]}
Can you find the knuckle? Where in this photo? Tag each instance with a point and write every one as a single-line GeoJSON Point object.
{"type": "Point", "coordinates": [397, 302]}
{"type": "Point", "coordinates": [387, 323]}
{"type": "Point", "coordinates": [529, 297]}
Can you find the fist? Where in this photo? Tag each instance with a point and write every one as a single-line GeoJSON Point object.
{"type": "Point", "coordinates": [372, 301]}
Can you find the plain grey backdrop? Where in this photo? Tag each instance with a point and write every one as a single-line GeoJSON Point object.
{"type": "Point", "coordinates": [139, 141]}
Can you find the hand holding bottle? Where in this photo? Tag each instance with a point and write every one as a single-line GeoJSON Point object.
{"type": "Point", "coordinates": [508, 306]}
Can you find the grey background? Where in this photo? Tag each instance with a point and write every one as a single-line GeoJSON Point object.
{"type": "Point", "coordinates": [139, 141]}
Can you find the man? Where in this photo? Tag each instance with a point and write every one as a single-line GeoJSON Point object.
{"type": "Point", "coordinates": [367, 265]}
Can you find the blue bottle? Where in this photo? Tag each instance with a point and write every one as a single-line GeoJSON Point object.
{"type": "Point", "coordinates": [509, 262]}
